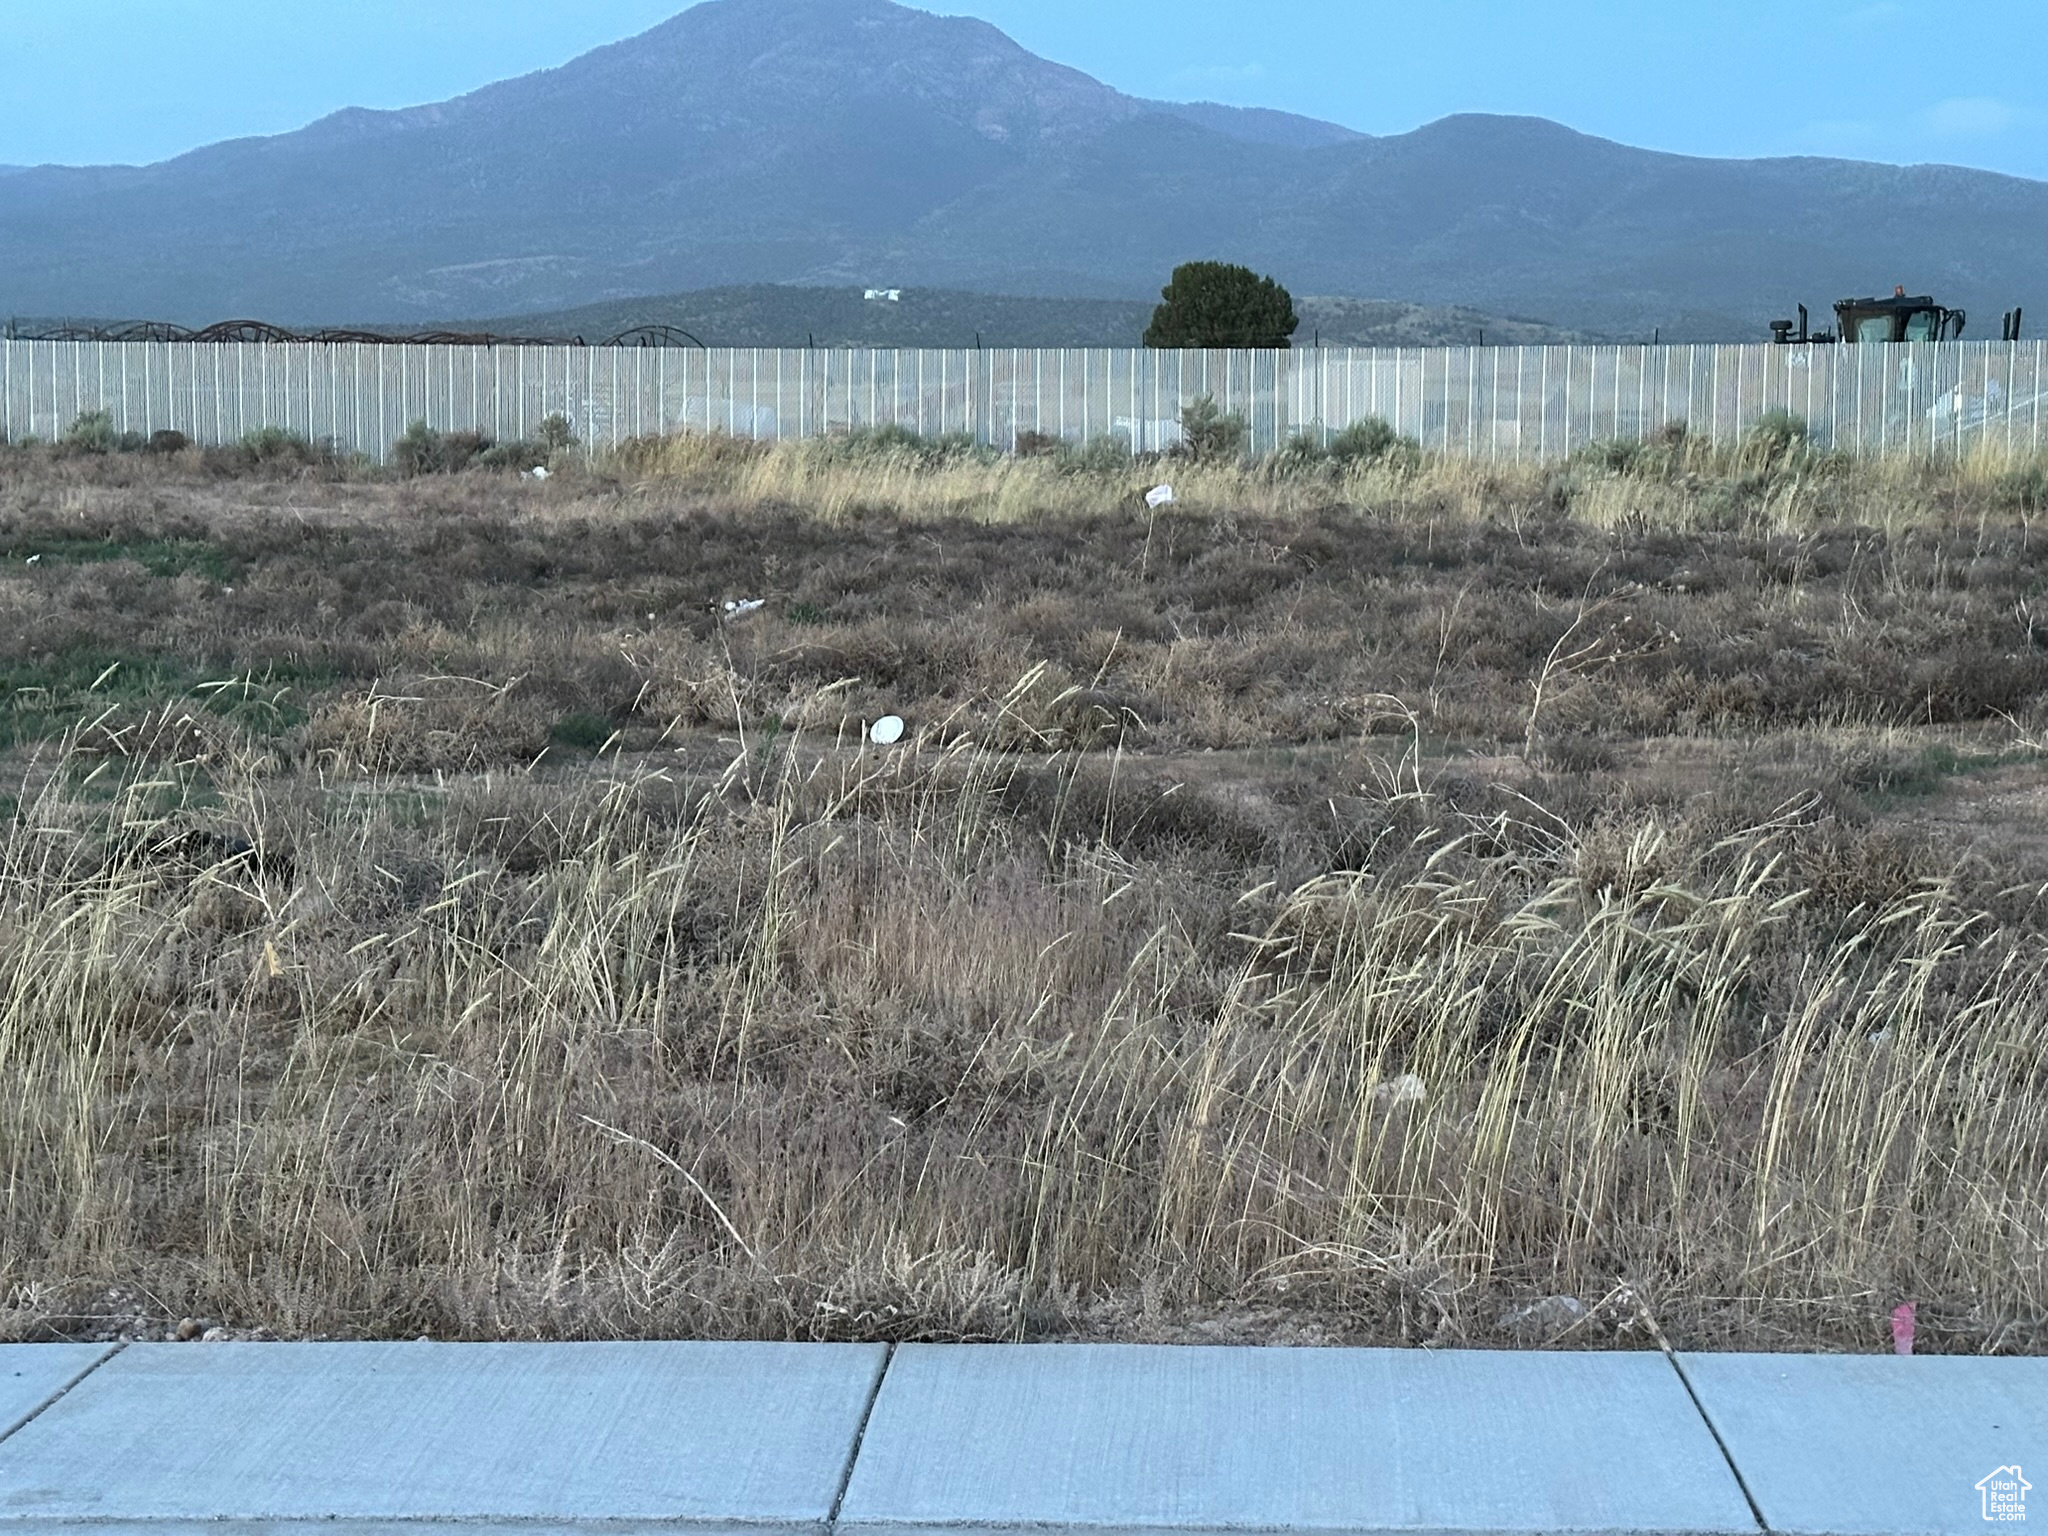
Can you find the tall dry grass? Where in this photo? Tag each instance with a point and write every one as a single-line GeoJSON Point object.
{"type": "Point", "coordinates": [322, 1011]}
{"type": "Point", "coordinates": [1770, 483]}
{"type": "Point", "coordinates": [846, 1043]}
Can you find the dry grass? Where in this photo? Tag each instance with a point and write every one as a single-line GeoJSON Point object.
{"type": "Point", "coordinates": [1768, 484]}
{"type": "Point", "coordinates": [1340, 908]}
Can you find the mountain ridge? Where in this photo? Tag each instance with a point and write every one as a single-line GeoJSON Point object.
{"type": "Point", "coordinates": [860, 142]}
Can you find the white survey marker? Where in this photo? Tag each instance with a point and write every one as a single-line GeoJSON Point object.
{"type": "Point", "coordinates": [887, 731]}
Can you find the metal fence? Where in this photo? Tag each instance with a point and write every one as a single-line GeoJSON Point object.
{"type": "Point", "coordinates": [1486, 403]}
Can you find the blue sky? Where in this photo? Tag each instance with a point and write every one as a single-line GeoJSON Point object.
{"type": "Point", "coordinates": [1903, 80]}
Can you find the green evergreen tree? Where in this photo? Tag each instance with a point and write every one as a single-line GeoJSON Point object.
{"type": "Point", "coordinates": [1215, 304]}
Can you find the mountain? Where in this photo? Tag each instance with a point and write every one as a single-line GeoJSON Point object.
{"type": "Point", "coordinates": [1347, 322]}
{"type": "Point", "coordinates": [857, 142]}
{"type": "Point", "coordinates": [778, 315]}
{"type": "Point", "coordinates": [771, 315]}
{"type": "Point", "coordinates": [1260, 125]}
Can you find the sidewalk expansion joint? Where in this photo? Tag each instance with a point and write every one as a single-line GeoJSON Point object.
{"type": "Point", "coordinates": [1714, 1429]}
{"type": "Point", "coordinates": [57, 1396]}
{"type": "Point", "coordinates": [859, 1434]}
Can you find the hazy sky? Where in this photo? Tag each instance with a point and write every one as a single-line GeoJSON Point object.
{"type": "Point", "coordinates": [1904, 80]}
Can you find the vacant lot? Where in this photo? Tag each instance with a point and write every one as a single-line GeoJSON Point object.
{"type": "Point", "coordinates": [1346, 905]}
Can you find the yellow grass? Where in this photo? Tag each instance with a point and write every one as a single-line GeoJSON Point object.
{"type": "Point", "coordinates": [834, 479]}
{"type": "Point", "coordinates": [1536, 925]}
{"type": "Point", "coordinates": [835, 1052]}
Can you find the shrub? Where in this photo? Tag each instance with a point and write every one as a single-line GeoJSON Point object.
{"type": "Point", "coordinates": [2025, 490]}
{"type": "Point", "coordinates": [1670, 451]}
{"type": "Point", "coordinates": [424, 451]}
{"type": "Point", "coordinates": [278, 445]}
{"type": "Point", "coordinates": [92, 433]}
{"type": "Point", "coordinates": [266, 448]}
{"type": "Point", "coordinates": [1105, 455]}
{"type": "Point", "coordinates": [885, 442]}
{"type": "Point", "coordinates": [1373, 441]}
{"type": "Point", "coordinates": [1560, 489]}
{"type": "Point", "coordinates": [459, 450]}
{"type": "Point", "coordinates": [1301, 454]}
{"type": "Point", "coordinates": [1209, 434]}
{"type": "Point", "coordinates": [1367, 443]}
{"type": "Point", "coordinates": [1038, 445]}
{"type": "Point", "coordinates": [555, 434]}
{"type": "Point", "coordinates": [1621, 456]}
{"type": "Point", "coordinates": [1216, 304]}
{"type": "Point", "coordinates": [520, 455]}
{"type": "Point", "coordinates": [1776, 438]}
{"type": "Point", "coordinates": [418, 452]}
{"type": "Point", "coordinates": [902, 445]}
{"type": "Point", "coordinates": [165, 442]}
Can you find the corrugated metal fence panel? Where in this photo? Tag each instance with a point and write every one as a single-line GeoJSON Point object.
{"type": "Point", "coordinates": [1502, 403]}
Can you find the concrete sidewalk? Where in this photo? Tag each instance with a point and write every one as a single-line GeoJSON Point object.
{"type": "Point", "coordinates": [171, 1439]}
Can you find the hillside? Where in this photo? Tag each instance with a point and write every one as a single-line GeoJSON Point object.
{"type": "Point", "coordinates": [856, 142]}
{"type": "Point", "coordinates": [766, 315]}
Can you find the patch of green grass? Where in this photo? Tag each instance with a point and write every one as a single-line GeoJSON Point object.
{"type": "Point", "coordinates": [1889, 778]}
{"type": "Point", "coordinates": [160, 557]}
{"type": "Point", "coordinates": [265, 702]}
{"type": "Point", "coordinates": [43, 697]}
{"type": "Point", "coordinates": [143, 791]}
{"type": "Point", "coordinates": [89, 673]}
{"type": "Point", "coordinates": [586, 733]}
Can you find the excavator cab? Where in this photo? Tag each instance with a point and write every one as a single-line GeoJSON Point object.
{"type": "Point", "coordinates": [1899, 318]}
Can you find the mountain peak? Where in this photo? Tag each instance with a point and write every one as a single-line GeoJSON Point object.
{"type": "Point", "coordinates": [761, 59]}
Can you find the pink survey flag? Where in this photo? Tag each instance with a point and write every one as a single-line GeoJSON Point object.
{"type": "Point", "coordinates": [1902, 1328]}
